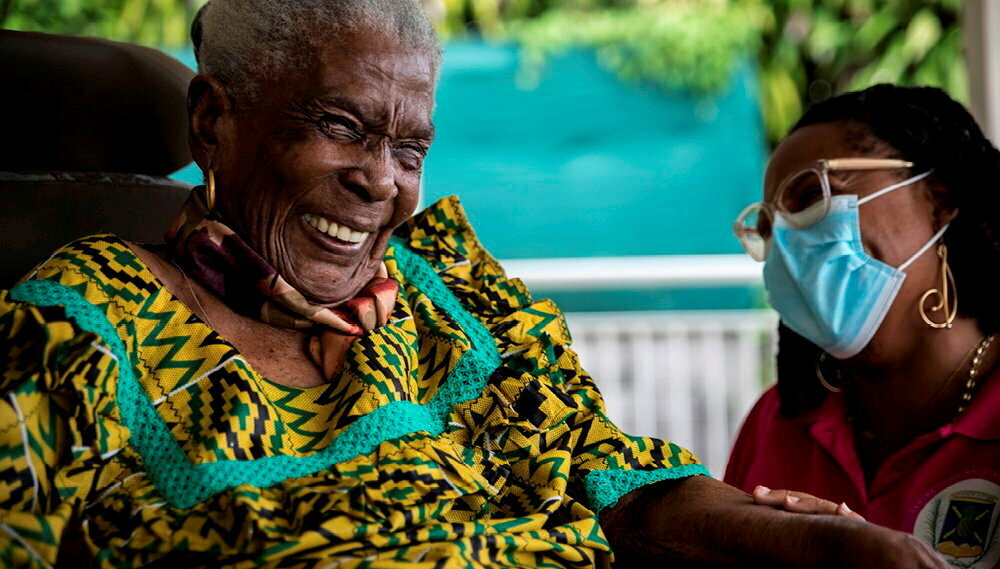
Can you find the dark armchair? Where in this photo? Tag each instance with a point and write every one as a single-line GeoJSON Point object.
{"type": "Point", "coordinates": [91, 130]}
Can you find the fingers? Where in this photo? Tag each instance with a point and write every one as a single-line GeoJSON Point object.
{"type": "Point", "coordinates": [844, 510]}
{"type": "Point", "coordinates": [801, 503]}
{"type": "Point", "coordinates": [798, 502]}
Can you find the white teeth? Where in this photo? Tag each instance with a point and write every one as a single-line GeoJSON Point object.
{"type": "Point", "coordinates": [334, 229]}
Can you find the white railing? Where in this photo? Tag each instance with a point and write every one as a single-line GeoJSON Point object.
{"type": "Point", "coordinates": [688, 377]}
{"type": "Point", "coordinates": [653, 271]}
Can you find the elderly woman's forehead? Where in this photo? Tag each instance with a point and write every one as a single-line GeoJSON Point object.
{"type": "Point", "coordinates": [370, 52]}
{"type": "Point", "coordinates": [368, 77]}
{"type": "Point", "coordinates": [358, 67]}
{"type": "Point", "coordinates": [364, 55]}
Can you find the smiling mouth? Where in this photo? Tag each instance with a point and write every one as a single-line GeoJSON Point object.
{"type": "Point", "coordinates": [334, 229]}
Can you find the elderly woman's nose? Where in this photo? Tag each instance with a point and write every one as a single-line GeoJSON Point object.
{"type": "Point", "coordinates": [374, 183]}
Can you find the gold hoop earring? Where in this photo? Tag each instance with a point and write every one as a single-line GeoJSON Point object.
{"type": "Point", "coordinates": [210, 189]}
{"type": "Point", "coordinates": [947, 297]}
{"type": "Point", "coordinates": [822, 380]}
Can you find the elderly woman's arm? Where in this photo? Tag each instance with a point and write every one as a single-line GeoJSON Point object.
{"type": "Point", "coordinates": [701, 522]}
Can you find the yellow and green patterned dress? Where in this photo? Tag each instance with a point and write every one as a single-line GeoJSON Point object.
{"type": "Point", "coordinates": [462, 434]}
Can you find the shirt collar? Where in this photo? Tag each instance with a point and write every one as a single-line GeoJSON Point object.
{"type": "Point", "coordinates": [829, 428]}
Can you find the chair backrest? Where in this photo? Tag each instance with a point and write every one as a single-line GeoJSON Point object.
{"type": "Point", "coordinates": [92, 127]}
{"type": "Point", "coordinates": [50, 209]}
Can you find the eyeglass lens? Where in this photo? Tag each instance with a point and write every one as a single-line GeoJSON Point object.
{"type": "Point", "coordinates": [754, 229]}
{"type": "Point", "coordinates": [804, 199]}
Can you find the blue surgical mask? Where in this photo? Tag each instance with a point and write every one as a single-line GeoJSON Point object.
{"type": "Point", "coordinates": [825, 286]}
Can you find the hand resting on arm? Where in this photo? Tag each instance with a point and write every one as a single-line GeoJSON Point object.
{"type": "Point", "coordinates": [702, 522]}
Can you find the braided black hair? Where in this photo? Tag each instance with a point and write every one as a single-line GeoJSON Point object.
{"type": "Point", "coordinates": [927, 127]}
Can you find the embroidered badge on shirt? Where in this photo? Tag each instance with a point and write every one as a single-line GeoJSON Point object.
{"type": "Point", "coordinates": [960, 523]}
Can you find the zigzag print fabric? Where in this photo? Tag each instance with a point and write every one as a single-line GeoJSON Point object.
{"type": "Point", "coordinates": [462, 434]}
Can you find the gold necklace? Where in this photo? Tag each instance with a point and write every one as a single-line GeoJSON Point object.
{"type": "Point", "coordinates": [970, 383]}
{"type": "Point", "coordinates": [976, 353]}
{"type": "Point", "coordinates": [194, 294]}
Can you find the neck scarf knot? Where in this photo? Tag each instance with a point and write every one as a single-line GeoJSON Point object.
{"type": "Point", "coordinates": [214, 255]}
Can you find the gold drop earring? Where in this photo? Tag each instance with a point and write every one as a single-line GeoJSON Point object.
{"type": "Point", "coordinates": [946, 295]}
{"type": "Point", "coordinates": [210, 189]}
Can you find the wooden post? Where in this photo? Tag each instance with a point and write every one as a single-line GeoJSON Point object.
{"type": "Point", "coordinates": [981, 27]}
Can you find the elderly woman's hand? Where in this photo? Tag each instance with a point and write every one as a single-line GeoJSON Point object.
{"type": "Point", "coordinates": [870, 546]}
{"type": "Point", "coordinates": [701, 522]}
{"type": "Point", "coordinates": [873, 546]}
{"type": "Point", "coordinates": [801, 503]}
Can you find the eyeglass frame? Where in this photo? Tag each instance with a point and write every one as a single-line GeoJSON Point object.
{"type": "Point", "coordinates": [821, 168]}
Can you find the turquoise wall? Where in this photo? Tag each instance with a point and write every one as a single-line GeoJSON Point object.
{"type": "Point", "coordinates": [583, 164]}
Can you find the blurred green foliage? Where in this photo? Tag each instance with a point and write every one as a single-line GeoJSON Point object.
{"type": "Point", "coordinates": [806, 50]}
{"type": "Point", "coordinates": [680, 45]}
{"type": "Point", "coordinates": [812, 49]}
{"type": "Point", "coordinates": [161, 23]}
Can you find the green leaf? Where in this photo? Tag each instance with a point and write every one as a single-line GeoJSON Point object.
{"type": "Point", "coordinates": [874, 30]}
{"type": "Point", "coordinates": [922, 34]}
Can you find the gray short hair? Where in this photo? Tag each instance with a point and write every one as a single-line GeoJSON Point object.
{"type": "Point", "coordinates": [243, 43]}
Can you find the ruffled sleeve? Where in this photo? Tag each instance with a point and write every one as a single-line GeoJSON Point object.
{"type": "Point", "coordinates": [57, 421]}
{"type": "Point", "coordinates": [610, 463]}
{"type": "Point", "coordinates": [540, 390]}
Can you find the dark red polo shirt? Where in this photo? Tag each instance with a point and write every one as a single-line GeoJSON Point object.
{"type": "Point", "coordinates": [943, 487]}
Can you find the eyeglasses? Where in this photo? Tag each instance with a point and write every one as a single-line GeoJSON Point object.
{"type": "Point", "coordinates": [802, 199]}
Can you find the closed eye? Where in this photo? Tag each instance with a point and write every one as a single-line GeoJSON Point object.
{"type": "Point", "coordinates": [339, 127]}
{"type": "Point", "coordinates": [411, 154]}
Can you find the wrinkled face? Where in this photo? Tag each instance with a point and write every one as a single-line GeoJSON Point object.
{"type": "Point", "coordinates": [894, 226]}
{"type": "Point", "coordinates": [320, 170]}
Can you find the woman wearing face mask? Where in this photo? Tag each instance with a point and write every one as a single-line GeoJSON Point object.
{"type": "Point", "coordinates": [880, 236]}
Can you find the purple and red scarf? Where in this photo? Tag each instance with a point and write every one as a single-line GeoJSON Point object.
{"type": "Point", "coordinates": [213, 254]}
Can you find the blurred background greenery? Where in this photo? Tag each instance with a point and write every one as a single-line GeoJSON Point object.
{"type": "Point", "coordinates": [806, 50]}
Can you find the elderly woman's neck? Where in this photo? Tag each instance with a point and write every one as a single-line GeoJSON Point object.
{"type": "Point", "coordinates": [274, 352]}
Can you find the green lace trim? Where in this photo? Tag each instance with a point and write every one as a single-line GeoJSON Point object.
{"type": "Point", "coordinates": [184, 484]}
{"type": "Point", "coordinates": [605, 487]}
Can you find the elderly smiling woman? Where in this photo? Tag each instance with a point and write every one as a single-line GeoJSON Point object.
{"type": "Point", "coordinates": [305, 376]}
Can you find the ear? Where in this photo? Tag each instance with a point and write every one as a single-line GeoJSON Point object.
{"type": "Point", "coordinates": [210, 112]}
{"type": "Point", "coordinates": [944, 208]}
